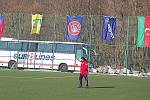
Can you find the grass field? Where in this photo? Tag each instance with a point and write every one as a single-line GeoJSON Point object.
{"type": "Point", "coordinates": [27, 85]}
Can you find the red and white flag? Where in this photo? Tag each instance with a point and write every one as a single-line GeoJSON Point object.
{"type": "Point", "coordinates": [1, 25]}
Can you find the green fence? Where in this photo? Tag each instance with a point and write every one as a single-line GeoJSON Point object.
{"type": "Point", "coordinates": [121, 52]}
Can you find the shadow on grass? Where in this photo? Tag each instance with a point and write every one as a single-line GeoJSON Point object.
{"type": "Point", "coordinates": [99, 87]}
{"type": "Point", "coordinates": [102, 87]}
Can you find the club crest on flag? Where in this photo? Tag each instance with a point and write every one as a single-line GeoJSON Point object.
{"type": "Point", "coordinates": [74, 27]}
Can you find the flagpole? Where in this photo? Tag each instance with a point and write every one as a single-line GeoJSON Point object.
{"type": "Point", "coordinates": [54, 40]}
{"type": "Point", "coordinates": [127, 45]}
{"type": "Point", "coordinates": [91, 29]}
{"type": "Point", "coordinates": [18, 35]}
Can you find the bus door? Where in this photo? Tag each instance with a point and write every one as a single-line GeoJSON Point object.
{"type": "Point", "coordinates": [79, 54]}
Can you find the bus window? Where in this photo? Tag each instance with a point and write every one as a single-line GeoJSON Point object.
{"type": "Point", "coordinates": [78, 47]}
{"type": "Point", "coordinates": [25, 46]}
{"type": "Point", "coordinates": [14, 46]}
{"type": "Point", "coordinates": [45, 48]}
{"type": "Point", "coordinates": [33, 47]}
{"type": "Point", "coordinates": [3, 45]}
{"type": "Point", "coordinates": [65, 48]}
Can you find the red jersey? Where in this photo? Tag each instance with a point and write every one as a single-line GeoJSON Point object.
{"type": "Point", "coordinates": [83, 68]}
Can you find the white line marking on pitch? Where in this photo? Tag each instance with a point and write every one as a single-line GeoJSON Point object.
{"type": "Point", "coordinates": [19, 77]}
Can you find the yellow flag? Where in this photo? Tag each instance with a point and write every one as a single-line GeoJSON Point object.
{"type": "Point", "coordinates": [36, 23]}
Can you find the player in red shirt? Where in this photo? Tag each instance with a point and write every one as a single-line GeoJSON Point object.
{"type": "Point", "coordinates": [83, 71]}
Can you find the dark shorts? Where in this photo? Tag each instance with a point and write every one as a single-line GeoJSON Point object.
{"type": "Point", "coordinates": [85, 77]}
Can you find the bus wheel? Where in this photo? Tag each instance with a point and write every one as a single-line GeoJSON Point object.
{"type": "Point", "coordinates": [12, 64]}
{"type": "Point", "coordinates": [63, 67]}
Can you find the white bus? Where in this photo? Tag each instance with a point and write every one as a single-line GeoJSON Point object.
{"type": "Point", "coordinates": [25, 54]}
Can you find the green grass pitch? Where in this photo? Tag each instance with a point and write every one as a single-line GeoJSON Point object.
{"type": "Point", "coordinates": [27, 85]}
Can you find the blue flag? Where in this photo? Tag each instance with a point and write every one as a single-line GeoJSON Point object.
{"type": "Point", "coordinates": [73, 27]}
{"type": "Point", "coordinates": [108, 28]}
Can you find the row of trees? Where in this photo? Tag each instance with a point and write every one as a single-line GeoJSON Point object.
{"type": "Point", "coordinates": [77, 7]}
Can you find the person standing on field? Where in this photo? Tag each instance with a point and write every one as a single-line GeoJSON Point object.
{"type": "Point", "coordinates": [83, 72]}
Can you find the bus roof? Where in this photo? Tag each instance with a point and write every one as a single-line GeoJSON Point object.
{"type": "Point", "coordinates": [6, 39]}
{"type": "Point", "coordinates": [35, 41]}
